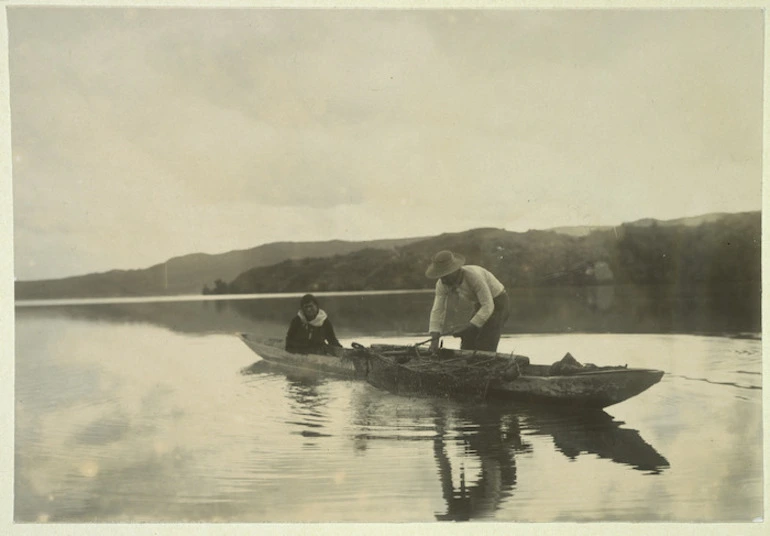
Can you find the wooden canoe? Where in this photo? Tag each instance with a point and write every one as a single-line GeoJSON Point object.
{"type": "Point", "coordinates": [409, 370]}
{"type": "Point", "coordinates": [342, 364]}
{"type": "Point", "coordinates": [593, 389]}
{"type": "Point", "coordinates": [406, 370]}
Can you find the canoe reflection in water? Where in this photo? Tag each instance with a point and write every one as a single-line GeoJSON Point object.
{"type": "Point", "coordinates": [598, 433]}
{"type": "Point", "coordinates": [308, 402]}
{"type": "Point", "coordinates": [475, 444]}
{"type": "Point", "coordinates": [492, 435]}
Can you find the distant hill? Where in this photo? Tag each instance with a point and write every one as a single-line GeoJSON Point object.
{"type": "Point", "coordinates": [577, 230]}
{"type": "Point", "coordinates": [717, 251]}
{"type": "Point", "coordinates": [189, 273]}
{"type": "Point", "coordinates": [692, 221]}
{"type": "Point", "coordinates": [710, 249]}
{"type": "Point", "coordinates": [508, 254]}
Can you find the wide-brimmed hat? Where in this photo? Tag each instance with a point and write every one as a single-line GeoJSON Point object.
{"type": "Point", "coordinates": [444, 263]}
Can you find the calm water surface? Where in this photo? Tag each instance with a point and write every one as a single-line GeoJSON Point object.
{"type": "Point", "coordinates": [156, 412]}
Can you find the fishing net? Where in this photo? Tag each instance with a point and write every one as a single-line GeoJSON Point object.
{"type": "Point", "coordinates": [404, 370]}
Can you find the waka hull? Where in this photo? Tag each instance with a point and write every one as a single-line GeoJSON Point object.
{"type": "Point", "coordinates": [421, 374]}
{"type": "Point", "coordinates": [342, 365]}
{"type": "Point", "coordinates": [595, 389]}
{"type": "Point", "coordinates": [592, 389]}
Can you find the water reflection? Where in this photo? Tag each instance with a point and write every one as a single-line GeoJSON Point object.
{"type": "Point", "coordinates": [587, 308]}
{"type": "Point", "coordinates": [303, 390]}
{"type": "Point", "coordinates": [308, 405]}
{"type": "Point", "coordinates": [596, 432]}
{"type": "Point", "coordinates": [474, 444]}
{"type": "Point", "coordinates": [600, 297]}
{"type": "Point", "coordinates": [490, 436]}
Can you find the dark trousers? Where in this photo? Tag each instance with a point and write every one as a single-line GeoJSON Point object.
{"type": "Point", "coordinates": [489, 334]}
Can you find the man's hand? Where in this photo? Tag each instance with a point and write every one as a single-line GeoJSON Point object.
{"type": "Point", "coordinates": [468, 332]}
{"type": "Point", "coordinates": [468, 335]}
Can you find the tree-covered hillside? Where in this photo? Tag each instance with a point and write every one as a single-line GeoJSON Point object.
{"type": "Point", "coordinates": [716, 252]}
{"type": "Point", "coordinates": [714, 249]}
{"type": "Point", "coordinates": [189, 273]}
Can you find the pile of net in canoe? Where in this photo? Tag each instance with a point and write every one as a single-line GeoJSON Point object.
{"type": "Point", "coordinates": [409, 370]}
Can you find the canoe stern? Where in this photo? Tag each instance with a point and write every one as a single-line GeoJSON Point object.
{"type": "Point", "coordinates": [596, 389]}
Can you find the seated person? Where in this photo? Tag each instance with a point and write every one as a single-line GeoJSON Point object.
{"type": "Point", "coordinates": [311, 330]}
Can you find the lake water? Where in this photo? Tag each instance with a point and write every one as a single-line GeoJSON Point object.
{"type": "Point", "coordinates": [144, 412]}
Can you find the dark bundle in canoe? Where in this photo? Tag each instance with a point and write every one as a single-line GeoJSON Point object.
{"type": "Point", "coordinates": [411, 371]}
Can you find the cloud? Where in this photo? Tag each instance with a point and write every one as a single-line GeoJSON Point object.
{"type": "Point", "coordinates": [134, 124]}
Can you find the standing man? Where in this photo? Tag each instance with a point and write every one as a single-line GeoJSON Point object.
{"type": "Point", "coordinates": [476, 285]}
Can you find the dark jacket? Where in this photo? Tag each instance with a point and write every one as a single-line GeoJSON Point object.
{"type": "Point", "coordinates": [304, 338]}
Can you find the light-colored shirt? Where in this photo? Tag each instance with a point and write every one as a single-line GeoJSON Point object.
{"type": "Point", "coordinates": [479, 286]}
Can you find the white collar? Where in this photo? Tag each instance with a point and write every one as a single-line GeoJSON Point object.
{"type": "Point", "coordinates": [317, 322]}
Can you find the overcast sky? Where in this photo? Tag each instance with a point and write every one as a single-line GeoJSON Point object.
{"type": "Point", "coordinates": [142, 134]}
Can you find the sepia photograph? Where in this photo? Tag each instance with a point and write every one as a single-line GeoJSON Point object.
{"type": "Point", "coordinates": [408, 267]}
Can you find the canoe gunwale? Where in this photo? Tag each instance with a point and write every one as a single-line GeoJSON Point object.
{"type": "Point", "coordinates": [343, 365]}
{"type": "Point", "coordinates": [589, 389]}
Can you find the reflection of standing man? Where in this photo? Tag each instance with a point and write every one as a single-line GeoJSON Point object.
{"type": "Point", "coordinates": [476, 285]}
{"type": "Point", "coordinates": [485, 442]}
